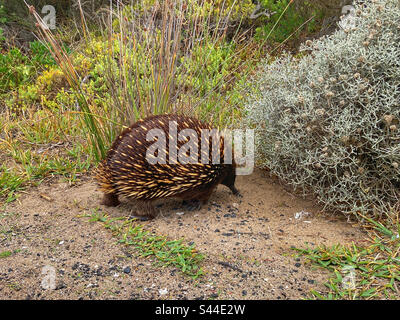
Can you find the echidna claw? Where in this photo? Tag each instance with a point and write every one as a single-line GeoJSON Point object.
{"type": "Point", "coordinates": [191, 205]}
{"type": "Point", "coordinates": [236, 192]}
{"type": "Point", "coordinates": [140, 218]}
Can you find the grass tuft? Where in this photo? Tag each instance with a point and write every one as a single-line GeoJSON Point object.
{"type": "Point", "coordinates": [361, 272]}
{"type": "Point", "coordinates": [166, 252]}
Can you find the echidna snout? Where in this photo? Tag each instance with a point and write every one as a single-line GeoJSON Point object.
{"type": "Point", "coordinates": [127, 172]}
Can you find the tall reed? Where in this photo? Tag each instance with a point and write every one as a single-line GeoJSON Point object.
{"type": "Point", "coordinates": [63, 60]}
{"type": "Point", "coordinates": [157, 61]}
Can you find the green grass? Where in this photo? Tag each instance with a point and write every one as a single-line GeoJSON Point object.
{"type": "Point", "coordinates": [294, 14]}
{"type": "Point", "coordinates": [40, 147]}
{"type": "Point", "coordinates": [361, 272]}
{"type": "Point", "coordinates": [10, 182]}
{"type": "Point", "coordinates": [32, 167]}
{"type": "Point", "coordinates": [5, 254]}
{"type": "Point", "coordinates": [166, 252]}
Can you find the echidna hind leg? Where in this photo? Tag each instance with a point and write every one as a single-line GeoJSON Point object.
{"type": "Point", "coordinates": [110, 200]}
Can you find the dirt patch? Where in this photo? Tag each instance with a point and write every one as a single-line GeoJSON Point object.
{"type": "Point", "coordinates": [246, 241]}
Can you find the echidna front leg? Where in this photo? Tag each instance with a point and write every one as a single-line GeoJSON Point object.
{"type": "Point", "coordinates": [110, 200]}
{"type": "Point", "coordinates": [236, 192]}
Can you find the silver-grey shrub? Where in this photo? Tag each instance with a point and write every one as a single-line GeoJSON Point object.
{"type": "Point", "coordinates": [327, 120]}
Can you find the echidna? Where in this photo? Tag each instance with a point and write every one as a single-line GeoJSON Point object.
{"type": "Point", "coordinates": [127, 171]}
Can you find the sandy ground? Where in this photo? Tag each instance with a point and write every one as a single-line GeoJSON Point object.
{"type": "Point", "coordinates": [246, 241]}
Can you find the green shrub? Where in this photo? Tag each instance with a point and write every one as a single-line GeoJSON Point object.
{"type": "Point", "coordinates": [208, 66]}
{"type": "Point", "coordinates": [328, 123]}
{"type": "Point", "coordinates": [40, 55]}
{"type": "Point", "coordinates": [51, 80]}
{"type": "Point", "coordinates": [291, 19]}
{"type": "Point", "coordinates": [14, 70]}
{"type": "Point", "coordinates": [294, 15]}
{"type": "Point", "coordinates": [18, 70]}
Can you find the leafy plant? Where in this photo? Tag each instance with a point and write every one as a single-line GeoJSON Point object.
{"type": "Point", "coordinates": [40, 55]}
{"type": "Point", "coordinates": [14, 70]}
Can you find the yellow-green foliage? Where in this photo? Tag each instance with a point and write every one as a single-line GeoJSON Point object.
{"type": "Point", "coordinates": [50, 89]}
{"type": "Point", "coordinates": [216, 10]}
{"type": "Point", "coordinates": [47, 89]}
{"type": "Point", "coordinates": [51, 81]}
{"type": "Point", "coordinates": [236, 10]}
{"type": "Point", "coordinates": [82, 62]}
{"type": "Point", "coordinates": [205, 70]}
